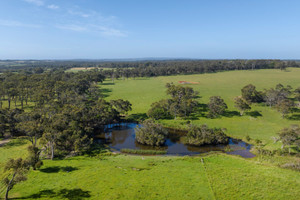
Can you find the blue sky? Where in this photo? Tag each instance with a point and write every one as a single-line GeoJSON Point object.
{"type": "Point", "coordinates": [99, 29]}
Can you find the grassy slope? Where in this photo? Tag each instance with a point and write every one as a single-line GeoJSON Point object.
{"type": "Point", "coordinates": [144, 91]}
{"type": "Point", "coordinates": [154, 177]}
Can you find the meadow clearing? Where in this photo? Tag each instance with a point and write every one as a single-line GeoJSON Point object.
{"type": "Point", "coordinates": [106, 176]}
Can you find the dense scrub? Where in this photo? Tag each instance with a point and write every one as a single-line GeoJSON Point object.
{"type": "Point", "coordinates": [202, 135]}
{"type": "Point", "coordinates": [150, 133]}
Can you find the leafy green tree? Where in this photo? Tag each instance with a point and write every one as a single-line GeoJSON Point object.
{"type": "Point", "coordinates": [202, 135]}
{"type": "Point", "coordinates": [31, 123]}
{"type": "Point", "coordinates": [274, 96]}
{"type": "Point", "coordinates": [297, 94]}
{"type": "Point", "coordinates": [16, 172]}
{"type": "Point", "coordinates": [3, 122]}
{"type": "Point", "coordinates": [216, 106]}
{"type": "Point", "coordinates": [290, 136]}
{"type": "Point", "coordinates": [34, 157]}
{"type": "Point", "coordinates": [122, 106]}
{"type": "Point", "coordinates": [284, 106]}
{"type": "Point", "coordinates": [250, 94]}
{"type": "Point", "coordinates": [160, 110]}
{"type": "Point", "coordinates": [241, 105]}
{"type": "Point", "coordinates": [150, 133]}
{"type": "Point", "coordinates": [181, 102]}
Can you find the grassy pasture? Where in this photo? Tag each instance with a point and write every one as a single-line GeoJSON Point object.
{"type": "Point", "coordinates": [142, 92]}
{"type": "Point", "coordinates": [220, 176]}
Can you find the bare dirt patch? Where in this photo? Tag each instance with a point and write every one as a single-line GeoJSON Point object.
{"type": "Point", "coordinates": [3, 142]}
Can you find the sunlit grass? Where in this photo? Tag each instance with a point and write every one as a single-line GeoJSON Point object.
{"type": "Point", "coordinates": [142, 92]}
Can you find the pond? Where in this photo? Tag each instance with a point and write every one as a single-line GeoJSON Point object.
{"type": "Point", "coordinates": [123, 137]}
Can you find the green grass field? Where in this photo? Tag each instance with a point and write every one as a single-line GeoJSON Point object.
{"type": "Point", "coordinates": [220, 176]}
{"type": "Point", "coordinates": [142, 92]}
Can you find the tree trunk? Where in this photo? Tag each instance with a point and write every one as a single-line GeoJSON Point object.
{"type": "Point", "coordinates": [9, 104]}
{"type": "Point", "coordinates": [8, 186]}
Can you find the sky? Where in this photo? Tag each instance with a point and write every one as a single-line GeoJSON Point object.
{"type": "Point", "coordinates": [116, 29]}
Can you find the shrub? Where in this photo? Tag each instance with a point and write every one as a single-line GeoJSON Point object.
{"type": "Point", "coordinates": [248, 138]}
{"type": "Point", "coordinates": [203, 135]}
{"type": "Point", "coordinates": [150, 133]}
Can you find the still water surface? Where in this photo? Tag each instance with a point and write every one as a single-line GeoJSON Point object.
{"type": "Point", "coordinates": [123, 137]}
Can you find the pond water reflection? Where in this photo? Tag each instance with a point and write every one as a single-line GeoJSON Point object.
{"type": "Point", "coordinates": [123, 137]}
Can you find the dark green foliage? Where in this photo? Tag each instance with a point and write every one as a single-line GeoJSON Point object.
{"type": "Point", "coordinates": [150, 133]}
{"type": "Point", "coordinates": [121, 105]}
{"type": "Point", "coordinates": [202, 135]}
{"type": "Point", "coordinates": [34, 157]}
{"type": "Point", "coordinates": [143, 152]}
{"type": "Point", "coordinates": [17, 170]}
{"type": "Point", "coordinates": [216, 106]}
{"type": "Point", "coordinates": [248, 138]}
{"type": "Point", "coordinates": [181, 104]}
{"type": "Point", "coordinates": [241, 104]}
{"type": "Point", "coordinates": [250, 94]}
{"type": "Point", "coordinates": [284, 106]}
{"type": "Point", "coordinates": [274, 96]}
{"type": "Point", "coordinates": [160, 110]}
{"type": "Point", "coordinates": [290, 136]}
{"type": "Point", "coordinates": [297, 94]}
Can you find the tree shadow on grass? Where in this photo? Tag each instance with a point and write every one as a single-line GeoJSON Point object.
{"type": "Point", "coordinates": [71, 194]}
{"type": "Point", "coordinates": [202, 107]}
{"type": "Point", "coordinates": [107, 84]}
{"type": "Point", "coordinates": [229, 113]}
{"type": "Point", "coordinates": [254, 114]}
{"type": "Point", "coordinates": [15, 143]}
{"type": "Point", "coordinates": [294, 117]}
{"type": "Point", "coordinates": [105, 92]}
{"type": "Point", "coordinates": [295, 110]}
{"type": "Point", "coordinates": [56, 169]}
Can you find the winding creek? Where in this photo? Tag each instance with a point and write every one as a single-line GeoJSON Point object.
{"type": "Point", "coordinates": [123, 137]}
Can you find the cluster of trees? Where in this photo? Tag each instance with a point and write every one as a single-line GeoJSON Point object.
{"type": "Point", "coordinates": [202, 135]}
{"type": "Point", "coordinates": [68, 109]}
{"type": "Point", "coordinates": [279, 97]}
{"type": "Point", "coordinates": [150, 133]}
{"type": "Point", "coordinates": [181, 103]}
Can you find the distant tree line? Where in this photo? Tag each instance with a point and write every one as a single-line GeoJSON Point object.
{"type": "Point", "coordinates": [132, 69]}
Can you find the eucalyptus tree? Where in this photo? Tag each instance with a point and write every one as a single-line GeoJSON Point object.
{"type": "Point", "coordinates": [16, 171]}
{"type": "Point", "coordinates": [290, 136]}
{"type": "Point", "coordinates": [241, 105]}
{"type": "Point", "coordinates": [285, 106]}
{"type": "Point", "coordinates": [216, 106]}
